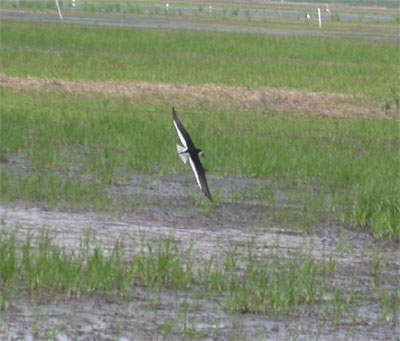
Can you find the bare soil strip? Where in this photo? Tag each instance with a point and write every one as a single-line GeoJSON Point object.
{"type": "Point", "coordinates": [210, 96]}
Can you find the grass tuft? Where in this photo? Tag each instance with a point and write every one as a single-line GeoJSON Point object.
{"type": "Point", "coordinates": [43, 269]}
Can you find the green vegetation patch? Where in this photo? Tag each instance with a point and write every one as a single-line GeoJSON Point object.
{"type": "Point", "coordinates": [45, 270]}
{"type": "Point", "coordinates": [355, 3]}
{"type": "Point", "coordinates": [62, 149]}
{"type": "Point", "coordinates": [97, 53]}
{"type": "Point", "coordinates": [239, 283]}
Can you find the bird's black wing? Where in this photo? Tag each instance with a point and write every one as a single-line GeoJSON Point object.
{"type": "Point", "coordinates": [182, 132]}
{"type": "Point", "coordinates": [200, 174]}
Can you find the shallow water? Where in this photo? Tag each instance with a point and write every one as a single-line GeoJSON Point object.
{"type": "Point", "coordinates": [211, 232]}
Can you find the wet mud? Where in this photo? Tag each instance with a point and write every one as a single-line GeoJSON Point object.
{"type": "Point", "coordinates": [172, 207]}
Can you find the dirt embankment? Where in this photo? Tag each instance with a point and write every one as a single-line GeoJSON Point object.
{"type": "Point", "coordinates": [212, 97]}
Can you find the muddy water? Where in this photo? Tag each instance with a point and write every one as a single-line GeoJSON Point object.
{"type": "Point", "coordinates": [167, 211]}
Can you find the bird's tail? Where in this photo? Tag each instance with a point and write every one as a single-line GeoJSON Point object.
{"type": "Point", "coordinates": [183, 154]}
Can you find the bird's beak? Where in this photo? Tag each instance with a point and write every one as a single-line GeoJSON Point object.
{"type": "Point", "coordinates": [202, 154]}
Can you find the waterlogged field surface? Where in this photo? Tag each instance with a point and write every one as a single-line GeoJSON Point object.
{"type": "Point", "coordinates": [104, 233]}
{"type": "Point", "coordinates": [225, 276]}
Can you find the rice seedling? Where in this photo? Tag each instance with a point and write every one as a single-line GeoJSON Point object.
{"type": "Point", "coordinates": [44, 270]}
{"type": "Point", "coordinates": [267, 287]}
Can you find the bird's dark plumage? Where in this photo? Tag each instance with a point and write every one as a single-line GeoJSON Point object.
{"type": "Point", "coordinates": [189, 151]}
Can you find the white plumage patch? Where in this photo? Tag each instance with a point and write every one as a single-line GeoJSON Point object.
{"type": "Point", "coordinates": [195, 172]}
{"type": "Point", "coordinates": [182, 153]}
{"type": "Point", "coordinates": [183, 141]}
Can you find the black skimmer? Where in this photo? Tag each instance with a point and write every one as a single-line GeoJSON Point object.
{"type": "Point", "coordinates": [191, 153]}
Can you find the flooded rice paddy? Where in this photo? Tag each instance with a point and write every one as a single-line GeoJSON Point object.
{"type": "Point", "coordinates": [169, 208]}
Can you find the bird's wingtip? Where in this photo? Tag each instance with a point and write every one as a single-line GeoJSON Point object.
{"type": "Point", "coordinates": [174, 115]}
{"type": "Point", "coordinates": [208, 195]}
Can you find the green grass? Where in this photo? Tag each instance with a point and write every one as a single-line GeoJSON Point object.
{"type": "Point", "coordinates": [73, 148]}
{"type": "Point", "coordinates": [267, 286]}
{"type": "Point", "coordinates": [355, 3]}
{"type": "Point", "coordinates": [46, 270]}
{"type": "Point", "coordinates": [184, 57]}
{"type": "Point", "coordinates": [29, 5]}
{"type": "Point", "coordinates": [239, 283]}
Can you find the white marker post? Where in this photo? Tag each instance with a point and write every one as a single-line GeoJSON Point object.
{"type": "Point", "coordinates": [319, 17]}
{"type": "Point", "coordinates": [59, 10]}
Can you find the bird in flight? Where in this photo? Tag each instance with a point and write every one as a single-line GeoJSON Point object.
{"type": "Point", "coordinates": [191, 153]}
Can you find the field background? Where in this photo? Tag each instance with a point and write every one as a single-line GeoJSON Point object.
{"type": "Point", "coordinates": [301, 136]}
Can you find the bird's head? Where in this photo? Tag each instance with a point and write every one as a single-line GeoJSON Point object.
{"type": "Point", "coordinates": [201, 154]}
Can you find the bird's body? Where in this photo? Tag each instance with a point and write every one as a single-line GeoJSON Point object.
{"type": "Point", "coordinates": [189, 152]}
